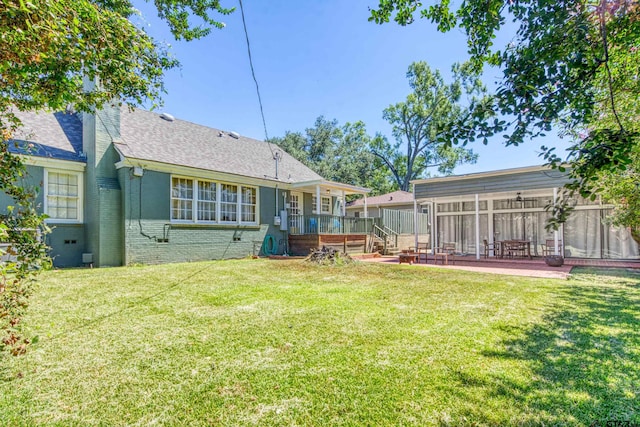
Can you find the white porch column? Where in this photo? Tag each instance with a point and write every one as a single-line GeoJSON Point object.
{"type": "Point", "coordinates": [434, 226]}
{"type": "Point", "coordinates": [415, 218]}
{"type": "Point", "coordinates": [366, 213]}
{"type": "Point", "coordinates": [477, 226]}
{"type": "Point", "coordinates": [555, 232]}
{"type": "Point", "coordinates": [318, 200]}
{"type": "Point", "coordinates": [492, 232]}
{"type": "Point", "coordinates": [344, 205]}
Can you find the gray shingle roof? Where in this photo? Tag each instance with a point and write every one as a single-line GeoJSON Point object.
{"type": "Point", "coordinates": [57, 135]}
{"type": "Point", "coordinates": [146, 136]}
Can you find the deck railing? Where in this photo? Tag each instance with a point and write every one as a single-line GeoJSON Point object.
{"type": "Point", "coordinates": [330, 224]}
{"type": "Point", "coordinates": [384, 235]}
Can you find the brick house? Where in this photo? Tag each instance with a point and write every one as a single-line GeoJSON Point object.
{"type": "Point", "coordinates": [125, 186]}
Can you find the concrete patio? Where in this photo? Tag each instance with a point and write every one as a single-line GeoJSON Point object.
{"type": "Point", "coordinates": [535, 267]}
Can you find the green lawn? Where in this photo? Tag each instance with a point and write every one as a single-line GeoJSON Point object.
{"type": "Point", "coordinates": [259, 342]}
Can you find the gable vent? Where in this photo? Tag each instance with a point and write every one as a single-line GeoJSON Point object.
{"type": "Point", "coordinates": [166, 116]}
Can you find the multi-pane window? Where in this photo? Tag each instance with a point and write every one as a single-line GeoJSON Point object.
{"type": "Point", "coordinates": [182, 199]}
{"type": "Point", "coordinates": [212, 201]}
{"type": "Point", "coordinates": [63, 198]}
{"type": "Point", "coordinates": [206, 201]}
{"type": "Point", "coordinates": [248, 203]}
{"type": "Point", "coordinates": [228, 203]}
{"type": "Point", "coordinates": [294, 204]}
{"type": "Point", "coordinates": [325, 204]}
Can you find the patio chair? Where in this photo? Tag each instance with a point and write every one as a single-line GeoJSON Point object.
{"type": "Point", "coordinates": [313, 225]}
{"type": "Point", "coordinates": [423, 249]}
{"type": "Point", "coordinates": [445, 253]}
{"type": "Point", "coordinates": [549, 247]}
{"type": "Point", "coordinates": [488, 247]}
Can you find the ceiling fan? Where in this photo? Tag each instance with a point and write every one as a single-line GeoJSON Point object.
{"type": "Point", "coordinates": [519, 198]}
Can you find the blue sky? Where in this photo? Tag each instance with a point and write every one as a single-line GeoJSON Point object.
{"type": "Point", "coordinates": [311, 59]}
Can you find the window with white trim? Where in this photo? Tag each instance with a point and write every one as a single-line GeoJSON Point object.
{"type": "Point", "coordinates": [248, 203]}
{"type": "Point", "coordinates": [182, 199]}
{"type": "Point", "coordinates": [325, 204]}
{"type": "Point", "coordinates": [63, 196]}
{"type": "Point", "coordinates": [207, 201]}
{"type": "Point", "coordinates": [213, 202]}
{"type": "Point", "coordinates": [228, 203]}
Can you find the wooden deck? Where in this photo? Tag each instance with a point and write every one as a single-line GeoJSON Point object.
{"type": "Point", "coordinates": [349, 243]}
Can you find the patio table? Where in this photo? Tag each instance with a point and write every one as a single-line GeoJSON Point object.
{"type": "Point", "coordinates": [408, 257]}
{"type": "Point", "coordinates": [515, 245]}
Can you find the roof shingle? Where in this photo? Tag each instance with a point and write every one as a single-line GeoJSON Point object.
{"type": "Point", "coordinates": [57, 135]}
{"type": "Point", "coordinates": [394, 198]}
{"type": "Point", "coordinates": [146, 136]}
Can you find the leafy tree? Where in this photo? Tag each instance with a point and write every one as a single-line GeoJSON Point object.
{"type": "Point", "coordinates": [617, 186]}
{"type": "Point", "coordinates": [337, 153]}
{"type": "Point", "coordinates": [622, 190]}
{"type": "Point", "coordinates": [421, 123]}
{"type": "Point", "coordinates": [568, 59]}
{"type": "Point", "coordinates": [48, 48]}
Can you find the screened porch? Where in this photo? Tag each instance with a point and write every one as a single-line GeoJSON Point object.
{"type": "Point", "coordinates": [478, 227]}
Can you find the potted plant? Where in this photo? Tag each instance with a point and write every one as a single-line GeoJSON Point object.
{"type": "Point", "coordinates": [554, 260]}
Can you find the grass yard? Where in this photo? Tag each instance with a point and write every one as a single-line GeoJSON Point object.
{"type": "Point", "coordinates": [259, 342]}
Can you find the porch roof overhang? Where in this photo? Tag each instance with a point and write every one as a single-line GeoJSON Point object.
{"type": "Point", "coordinates": [334, 188]}
{"type": "Point", "coordinates": [477, 175]}
{"type": "Point", "coordinates": [529, 181]}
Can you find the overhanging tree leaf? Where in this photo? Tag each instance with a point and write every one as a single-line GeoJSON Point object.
{"type": "Point", "coordinates": [47, 49]}
{"type": "Point", "coordinates": [572, 64]}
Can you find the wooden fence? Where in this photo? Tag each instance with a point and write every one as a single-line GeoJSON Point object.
{"type": "Point", "coordinates": [402, 222]}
